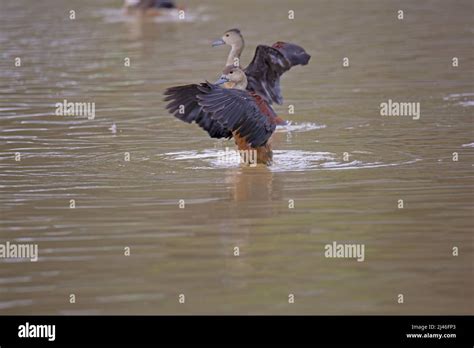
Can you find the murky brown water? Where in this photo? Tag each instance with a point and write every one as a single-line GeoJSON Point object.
{"type": "Point", "coordinates": [135, 204]}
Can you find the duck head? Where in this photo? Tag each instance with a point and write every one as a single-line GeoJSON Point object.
{"type": "Point", "coordinates": [231, 37]}
{"type": "Point", "coordinates": [235, 40]}
{"type": "Point", "coordinates": [233, 77]}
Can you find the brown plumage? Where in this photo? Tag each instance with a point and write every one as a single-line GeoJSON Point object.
{"type": "Point", "coordinates": [227, 112]}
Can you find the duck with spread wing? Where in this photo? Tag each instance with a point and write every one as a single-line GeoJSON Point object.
{"type": "Point", "coordinates": [238, 105]}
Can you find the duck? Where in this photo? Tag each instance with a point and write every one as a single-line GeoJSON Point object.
{"type": "Point", "coordinates": [268, 64]}
{"type": "Point", "coordinates": [149, 7]}
{"type": "Point", "coordinates": [227, 109]}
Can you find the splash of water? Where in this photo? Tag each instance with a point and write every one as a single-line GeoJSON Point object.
{"type": "Point", "coordinates": [299, 127]}
{"type": "Point", "coordinates": [287, 160]}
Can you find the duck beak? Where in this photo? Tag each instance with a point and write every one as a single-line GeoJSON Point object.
{"type": "Point", "coordinates": [221, 80]}
{"type": "Point", "coordinates": [218, 43]}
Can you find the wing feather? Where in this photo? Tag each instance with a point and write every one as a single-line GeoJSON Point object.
{"type": "Point", "coordinates": [267, 66]}
{"type": "Point", "coordinates": [184, 106]}
{"type": "Point", "coordinates": [222, 112]}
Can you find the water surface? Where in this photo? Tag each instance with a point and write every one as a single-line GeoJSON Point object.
{"type": "Point", "coordinates": [189, 251]}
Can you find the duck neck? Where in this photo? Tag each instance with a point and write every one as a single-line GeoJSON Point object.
{"type": "Point", "coordinates": [234, 54]}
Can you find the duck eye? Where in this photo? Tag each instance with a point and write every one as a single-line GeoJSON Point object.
{"type": "Point", "coordinates": [231, 72]}
{"type": "Point", "coordinates": [227, 35]}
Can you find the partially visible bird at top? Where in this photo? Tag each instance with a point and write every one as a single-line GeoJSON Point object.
{"type": "Point", "coordinates": [149, 7]}
{"type": "Point", "coordinates": [227, 111]}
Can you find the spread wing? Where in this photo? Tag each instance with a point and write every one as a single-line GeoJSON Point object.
{"type": "Point", "coordinates": [236, 110]}
{"type": "Point", "coordinates": [184, 105]}
{"type": "Point", "coordinates": [268, 64]}
{"type": "Point", "coordinates": [221, 112]}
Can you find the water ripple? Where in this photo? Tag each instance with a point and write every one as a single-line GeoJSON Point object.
{"type": "Point", "coordinates": [288, 160]}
